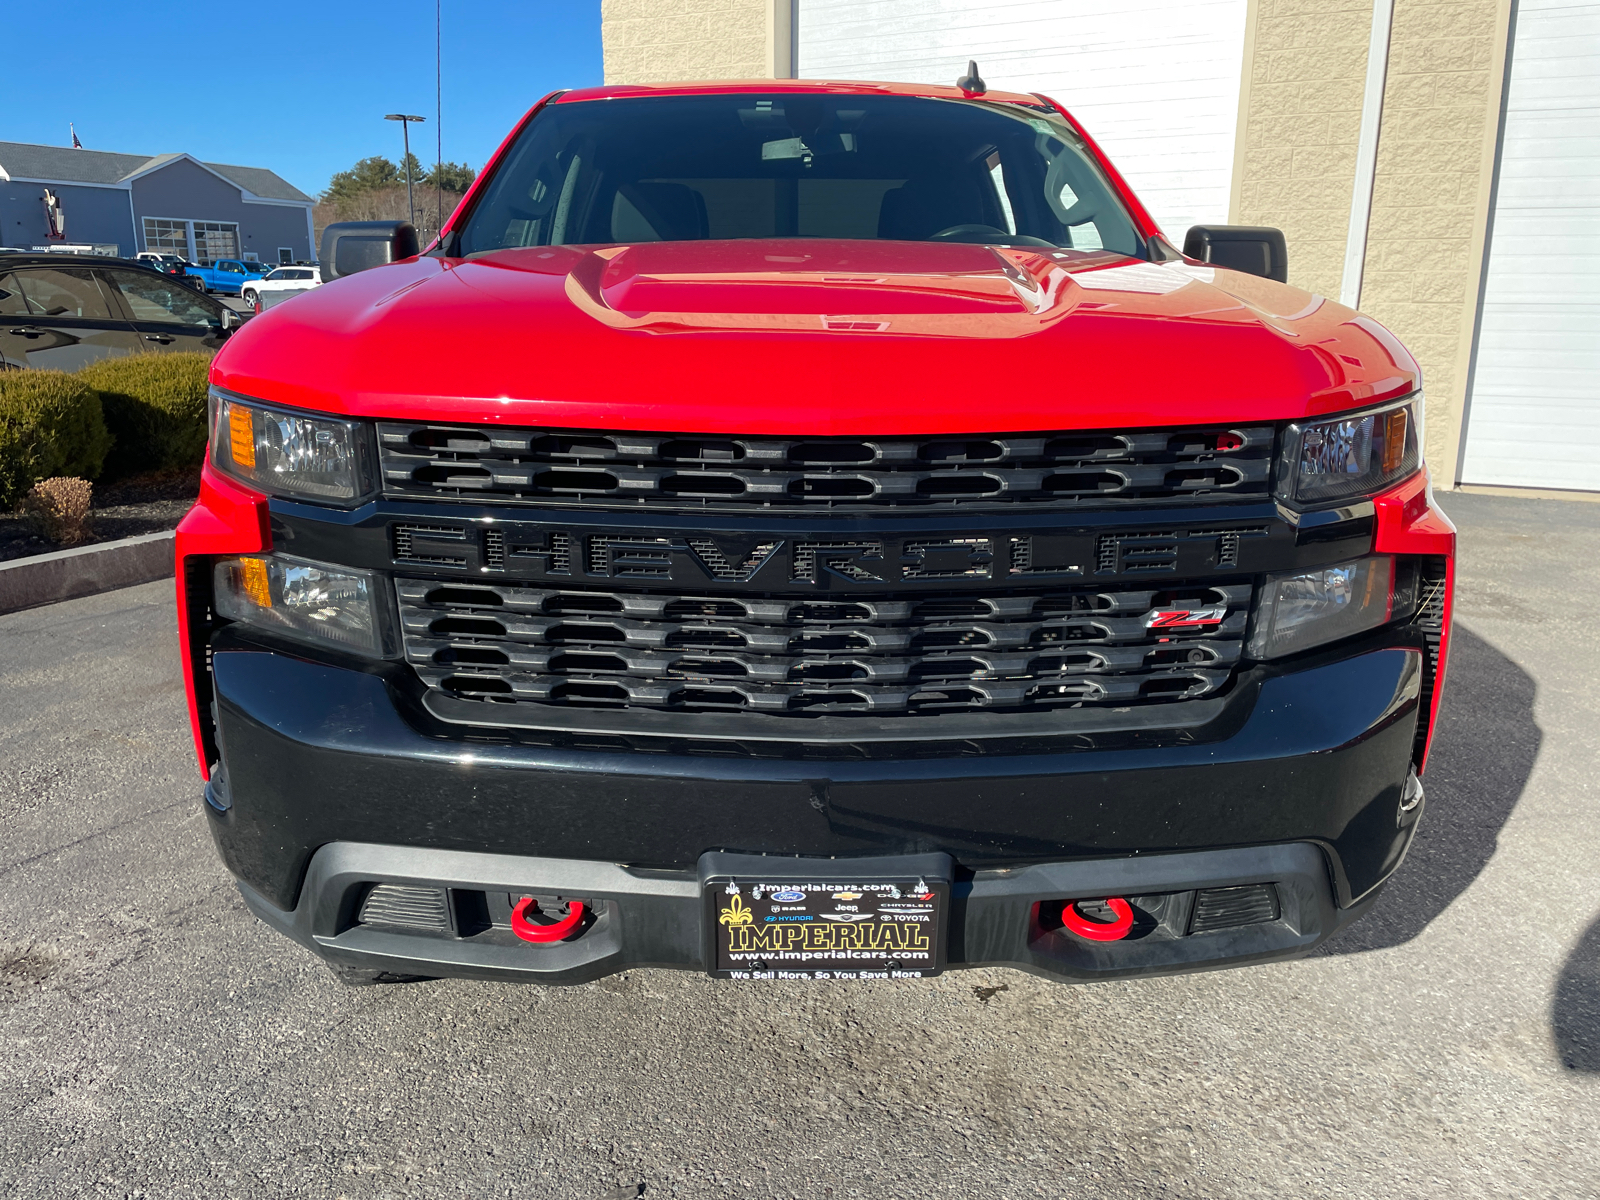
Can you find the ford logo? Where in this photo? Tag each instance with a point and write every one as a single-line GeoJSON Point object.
{"type": "Point", "coordinates": [788, 896]}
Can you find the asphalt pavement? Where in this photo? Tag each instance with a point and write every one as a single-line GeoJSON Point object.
{"type": "Point", "coordinates": [156, 1041]}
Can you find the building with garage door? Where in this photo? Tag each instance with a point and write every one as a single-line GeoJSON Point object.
{"type": "Point", "coordinates": [1436, 162]}
{"type": "Point", "coordinates": [124, 203]}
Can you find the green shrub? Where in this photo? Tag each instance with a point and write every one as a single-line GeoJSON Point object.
{"type": "Point", "coordinates": [51, 424]}
{"type": "Point", "coordinates": [155, 407]}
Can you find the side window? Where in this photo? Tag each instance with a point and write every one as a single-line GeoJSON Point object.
{"type": "Point", "coordinates": [63, 292]}
{"type": "Point", "coordinates": [11, 302]}
{"type": "Point", "coordinates": [154, 298]}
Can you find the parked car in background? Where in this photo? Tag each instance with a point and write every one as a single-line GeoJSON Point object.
{"type": "Point", "coordinates": [168, 264]}
{"type": "Point", "coordinates": [227, 275]}
{"type": "Point", "coordinates": [67, 315]}
{"type": "Point", "coordinates": [279, 284]}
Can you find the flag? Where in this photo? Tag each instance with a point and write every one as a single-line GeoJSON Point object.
{"type": "Point", "coordinates": [76, 144]}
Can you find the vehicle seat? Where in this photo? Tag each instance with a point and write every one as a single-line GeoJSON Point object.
{"type": "Point", "coordinates": [658, 212]}
{"type": "Point", "coordinates": [920, 208]}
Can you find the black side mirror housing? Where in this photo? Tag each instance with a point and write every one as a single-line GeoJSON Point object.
{"type": "Point", "coordinates": [351, 246]}
{"type": "Point", "coordinates": [1253, 249]}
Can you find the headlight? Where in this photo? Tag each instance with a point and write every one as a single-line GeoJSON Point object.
{"type": "Point", "coordinates": [1354, 455]}
{"type": "Point", "coordinates": [287, 453]}
{"type": "Point", "coordinates": [314, 602]}
{"type": "Point", "coordinates": [1311, 608]}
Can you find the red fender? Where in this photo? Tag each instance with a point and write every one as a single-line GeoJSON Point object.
{"type": "Point", "coordinates": [1098, 931]}
{"type": "Point", "coordinates": [529, 932]}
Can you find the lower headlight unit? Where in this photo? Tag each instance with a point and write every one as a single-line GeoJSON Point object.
{"type": "Point", "coordinates": [1311, 608]}
{"type": "Point", "coordinates": [308, 601]}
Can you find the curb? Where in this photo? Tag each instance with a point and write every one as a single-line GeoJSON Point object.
{"type": "Point", "coordinates": [85, 570]}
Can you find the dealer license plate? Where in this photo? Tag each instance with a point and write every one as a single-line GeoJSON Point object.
{"type": "Point", "coordinates": [856, 929]}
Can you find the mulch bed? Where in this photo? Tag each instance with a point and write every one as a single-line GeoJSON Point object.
{"type": "Point", "coordinates": [142, 504]}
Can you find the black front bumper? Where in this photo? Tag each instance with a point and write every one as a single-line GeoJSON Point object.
{"type": "Point", "coordinates": [1309, 761]}
{"type": "Point", "coordinates": [656, 919]}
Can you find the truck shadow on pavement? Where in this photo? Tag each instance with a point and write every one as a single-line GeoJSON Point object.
{"type": "Point", "coordinates": [1575, 1012]}
{"type": "Point", "coordinates": [1482, 755]}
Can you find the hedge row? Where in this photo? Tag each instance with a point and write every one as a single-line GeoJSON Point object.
{"type": "Point", "coordinates": [119, 417]}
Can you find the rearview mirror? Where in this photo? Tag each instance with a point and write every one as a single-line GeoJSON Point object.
{"type": "Point", "coordinates": [351, 246]}
{"type": "Point", "coordinates": [1253, 249]}
{"type": "Point", "coordinates": [231, 319]}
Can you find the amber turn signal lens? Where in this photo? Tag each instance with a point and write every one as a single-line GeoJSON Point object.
{"type": "Point", "coordinates": [1394, 439]}
{"type": "Point", "coordinates": [253, 581]}
{"type": "Point", "coordinates": [241, 437]}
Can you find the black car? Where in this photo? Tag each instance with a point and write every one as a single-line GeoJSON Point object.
{"type": "Point", "coordinates": [66, 312]}
{"type": "Point", "coordinates": [167, 264]}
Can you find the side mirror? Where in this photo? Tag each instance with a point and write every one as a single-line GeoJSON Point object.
{"type": "Point", "coordinates": [231, 320]}
{"type": "Point", "coordinates": [1253, 249]}
{"type": "Point", "coordinates": [351, 246]}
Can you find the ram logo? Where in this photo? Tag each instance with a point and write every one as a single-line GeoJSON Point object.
{"type": "Point", "coordinates": [1186, 618]}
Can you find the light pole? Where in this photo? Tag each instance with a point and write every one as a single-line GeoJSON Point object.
{"type": "Point", "coordinates": [405, 128]}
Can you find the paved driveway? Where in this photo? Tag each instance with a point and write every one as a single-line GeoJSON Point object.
{"type": "Point", "coordinates": [156, 1041]}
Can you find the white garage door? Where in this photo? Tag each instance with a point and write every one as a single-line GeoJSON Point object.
{"type": "Point", "coordinates": [1534, 415]}
{"type": "Point", "coordinates": [1156, 82]}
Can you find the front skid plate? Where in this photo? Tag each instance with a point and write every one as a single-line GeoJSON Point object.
{"type": "Point", "coordinates": [657, 919]}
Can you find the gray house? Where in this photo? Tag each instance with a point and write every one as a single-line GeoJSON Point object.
{"type": "Point", "coordinates": [175, 202]}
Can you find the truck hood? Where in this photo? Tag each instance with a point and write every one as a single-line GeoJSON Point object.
{"type": "Point", "coordinates": [814, 337]}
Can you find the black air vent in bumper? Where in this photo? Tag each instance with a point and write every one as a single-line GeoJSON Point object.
{"type": "Point", "coordinates": [1234, 907]}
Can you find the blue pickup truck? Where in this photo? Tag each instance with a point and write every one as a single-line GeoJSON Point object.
{"type": "Point", "coordinates": [226, 275]}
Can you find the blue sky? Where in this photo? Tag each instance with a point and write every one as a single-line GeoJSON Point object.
{"type": "Point", "coordinates": [144, 78]}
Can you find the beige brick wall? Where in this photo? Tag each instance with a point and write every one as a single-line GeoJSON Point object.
{"type": "Point", "coordinates": [661, 41]}
{"type": "Point", "coordinates": [1295, 165]}
{"type": "Point", "coordinates": [1431, 193]}
{"type": "Point", "coordinates": [1300, 116]}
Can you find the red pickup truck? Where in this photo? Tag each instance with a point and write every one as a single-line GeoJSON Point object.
{"type": "Point", "coordinates": [811, 530]}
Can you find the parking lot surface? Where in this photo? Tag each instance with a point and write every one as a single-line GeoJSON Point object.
{"type": "Point", "coordinates": [155, 1040]}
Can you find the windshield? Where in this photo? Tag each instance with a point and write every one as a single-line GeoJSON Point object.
{"type": "Point", "coordinates": [682, 168]}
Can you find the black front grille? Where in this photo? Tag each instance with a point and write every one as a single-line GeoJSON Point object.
{"type": "Point", "coordinates": [818, 656]}
{"type": "Point", "coordinates": [688, 471]}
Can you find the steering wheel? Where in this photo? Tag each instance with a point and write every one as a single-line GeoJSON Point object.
{"type": "Point", "coordinates": [962, 233]}
{"type": "Point", "coordinates": [989, 234]}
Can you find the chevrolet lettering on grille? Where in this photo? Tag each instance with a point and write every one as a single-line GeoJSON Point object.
{"type": "Point", "coordinates": [768, 562]}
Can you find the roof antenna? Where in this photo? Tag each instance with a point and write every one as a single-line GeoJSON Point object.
{"type": "Point", "coordinates": [972, 83]}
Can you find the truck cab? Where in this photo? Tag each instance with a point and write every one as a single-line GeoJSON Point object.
{"type": "Point", "coordinates": [809, 530]}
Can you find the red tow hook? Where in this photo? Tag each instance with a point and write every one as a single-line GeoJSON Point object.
{"type": "Point", "coordinates": [1099, 931]}
{"type": "Point", "coordinates": [554, 932]}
